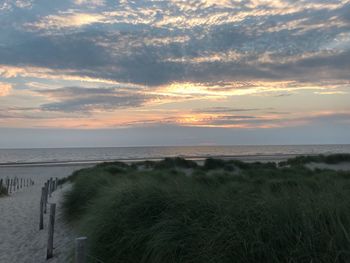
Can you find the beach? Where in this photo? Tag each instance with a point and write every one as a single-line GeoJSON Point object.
{"type": "Point", "coordinates": [20, 238]}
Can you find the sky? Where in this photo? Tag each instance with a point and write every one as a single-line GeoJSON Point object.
{"type": "Point", "coordinates": [77, 73]}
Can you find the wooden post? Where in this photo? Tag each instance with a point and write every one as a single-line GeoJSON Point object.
{"type": "Point", "coordinates": [2, 186]}
{"type": "Point", "coordinates": [53, 186]}
{"type": "Point", "coordinates": [80, 250]}
{"type": "Point", "coordinates": [45, 198]}
{"type": "Point", "coordinates": [56, 183]}
{"type": "Point", "coordinates": [49, 253]}
{"type": "Point", "coordinates": [10, 186]}
{"type": "Point", "coordinates": [41, 221]}
{"type": "Point", "coordinates": [50, 186]}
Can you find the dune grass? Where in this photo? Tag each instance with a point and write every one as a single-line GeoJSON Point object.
{"type": "Point", "coordinates": [328, 159]}
{"type": "Point", "coordinates": [225, 211]}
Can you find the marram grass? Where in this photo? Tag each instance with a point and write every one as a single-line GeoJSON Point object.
{"type": "Point", "coordinates": [224, 211]}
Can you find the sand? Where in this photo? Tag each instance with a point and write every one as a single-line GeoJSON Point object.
{"type": "Point", "coordinates": [20, 238]}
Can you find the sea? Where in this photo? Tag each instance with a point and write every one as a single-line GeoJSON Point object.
{"type": "Point", "coordinates": [27, 157]}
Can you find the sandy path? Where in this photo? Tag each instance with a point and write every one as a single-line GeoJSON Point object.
{"type": "Point", "coordinates": [20, 238]}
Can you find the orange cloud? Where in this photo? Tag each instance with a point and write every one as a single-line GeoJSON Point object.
{"type": "Point", "coordinates": [5, 89]}
{"type": "Point", "coordinates": [215, 91]}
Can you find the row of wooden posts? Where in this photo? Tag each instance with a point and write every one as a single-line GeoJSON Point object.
{"type": "Point", "coordinates": [46, 192]}
{"type": "Point", "coordinates": [12, 185]}
{"type": "Point", "coordinates": [80, 243]}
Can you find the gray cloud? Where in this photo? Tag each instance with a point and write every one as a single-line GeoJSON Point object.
{"type": "Point", "coordinates": [78, 99]}
{"type": "Point", "coordinates": [136, 49]}
{"type": "Point", "coordinates": [224, 110]}
{"type": "Point", "coordinates": [18, 114]}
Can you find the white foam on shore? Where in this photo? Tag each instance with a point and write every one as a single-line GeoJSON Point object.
{"type": "Point", "coordinates": [20, 238]}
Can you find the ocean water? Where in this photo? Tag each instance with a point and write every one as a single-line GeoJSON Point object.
{"type": "Point", "coordinates": [91, 155]}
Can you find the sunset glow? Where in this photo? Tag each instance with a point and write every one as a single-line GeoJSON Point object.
{"type": "Point", "coordinates": [240, 65]}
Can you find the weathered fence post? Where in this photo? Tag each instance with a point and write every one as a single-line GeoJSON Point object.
{"type": "Point", "coordinates": [45, 198]}
{"type": "Point", "coordinates": [53, 186]}
{"type": "Point", "coordinates": [2, 186]}
{"type": "Point", "coordinates": [80, 250]}
{"type": "Point", "coordinates": [49, 253]}
{"type": "Point", "coordinates": [10, 185]}
{"type": "Point", "coordinates": [41, 223]}
{"type": "Point", "coordinates": [50, 186]}
{"type": "Point", "coordinates": [7, 184]}
{"type": "Point", "coordinates": [56, 183]}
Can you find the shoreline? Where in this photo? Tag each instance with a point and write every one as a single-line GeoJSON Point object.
{"type": "Point", "coordinates": [246, 158]}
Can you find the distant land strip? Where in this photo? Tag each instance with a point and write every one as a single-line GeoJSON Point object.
{"type": "Point", "coordinates": [248, 158]}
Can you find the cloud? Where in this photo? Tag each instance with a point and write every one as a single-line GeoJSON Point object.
{"type": "Point", "coordinates": [9, 72]}
{"type": "Point", "coordinates": [79, 99]}
{"type": "Point", "coordinates": [90, 2]}
{"type": "Point", "coordinates": [134, 55]}
{"type": "Point", "coordinates": [224, 110]}
{"type": "Point", "coordinates": [5, 89]}
{"type": "Point", "coordinates": [221, 90]}
{"type": "Point", "coordinates": [66, 20]}
{"type": "Point", "coordinates": [260, 121]}
{"type": "Point", "coordinates": [11, 4]}
{"type": "Point", "coordinates": [143, 43]}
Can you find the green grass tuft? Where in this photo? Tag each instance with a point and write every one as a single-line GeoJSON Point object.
{"type": "Point", "coordinates": [329, 159]}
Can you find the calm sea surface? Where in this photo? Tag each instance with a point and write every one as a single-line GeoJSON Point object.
{"type": "Point", "coordinates": [82, 155]}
